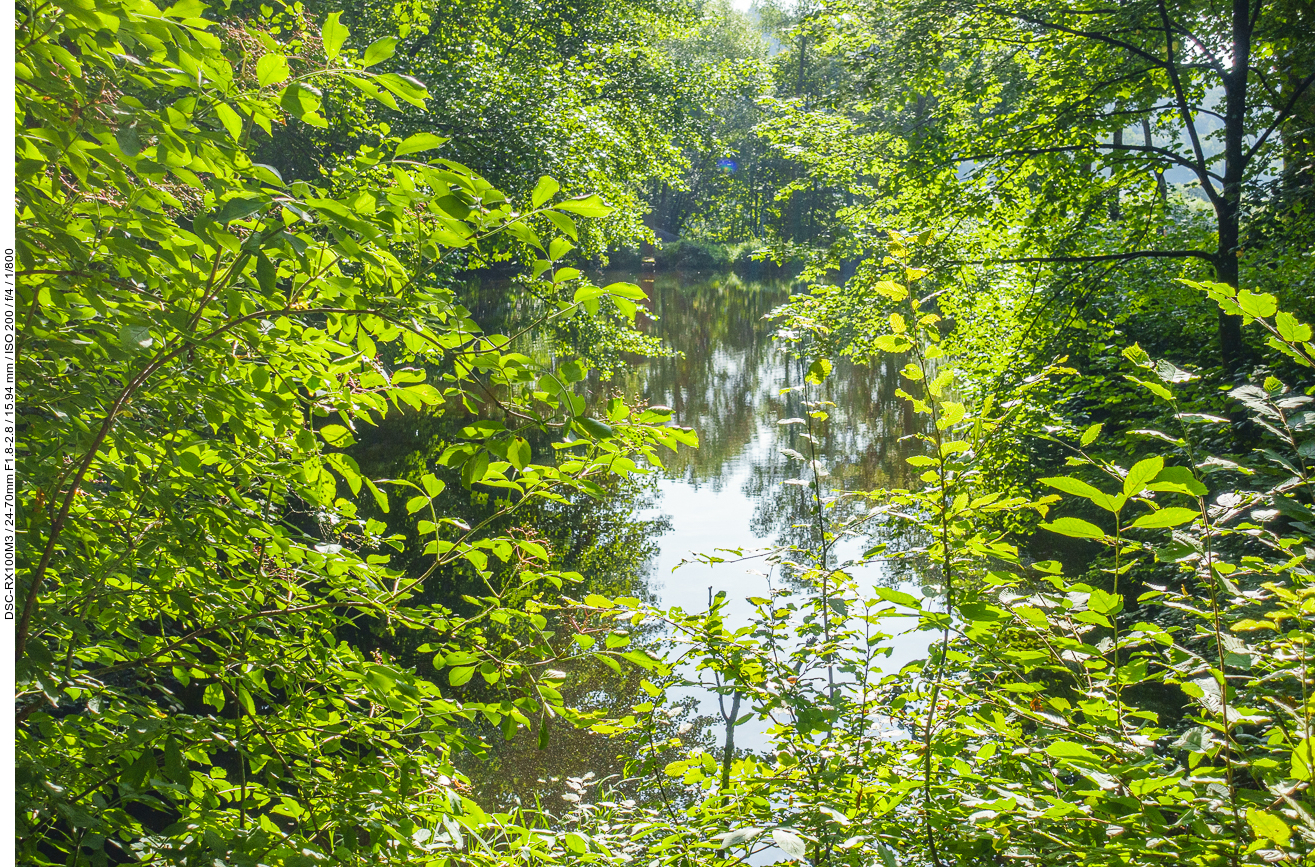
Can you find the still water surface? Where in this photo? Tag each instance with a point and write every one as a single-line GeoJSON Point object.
{"type": "Point", "coordinates": [727, 384]}
{"type": "Point", "coordinates": [726, 381]}
{"type": "Point", "coordinates": [732, 492]}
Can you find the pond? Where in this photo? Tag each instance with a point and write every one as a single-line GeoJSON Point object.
{"type": "Point", "coordinates": [726, 380]}
{"type": "Point", "coordinates": [733, 492]}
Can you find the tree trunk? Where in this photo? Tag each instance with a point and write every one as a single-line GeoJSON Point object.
{"type": "Point", "coordinates": [1228, 205]}
{"type": "Point", "coordinates": [729, 755]}
{"type": "Point", "coordinates": [1231, 346]}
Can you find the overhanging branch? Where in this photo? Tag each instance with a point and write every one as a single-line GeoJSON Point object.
{"type": "Point", "coordinates": [1101, 257]}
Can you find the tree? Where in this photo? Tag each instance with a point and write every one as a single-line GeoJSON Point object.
{"type": "Point", "coordinates": [720, 194]}
{"type": "Point", "coordinates": [1028, 115]}
{"type": "Point", "coordinates": [582, 92]}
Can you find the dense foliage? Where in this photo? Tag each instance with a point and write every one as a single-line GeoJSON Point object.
{"type": "Point", "coordinates": [317, 512]}
{"type": "Point", "coordinates": [201, 344]}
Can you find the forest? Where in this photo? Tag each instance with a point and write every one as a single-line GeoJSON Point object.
{"type": "Point", "coordinates": [379, 361]}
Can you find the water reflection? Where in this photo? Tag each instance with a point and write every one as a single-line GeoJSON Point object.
{"type": "Point", "coordinates": [734, 492]}
{"type": "Point", "coordinates": [727, 383]}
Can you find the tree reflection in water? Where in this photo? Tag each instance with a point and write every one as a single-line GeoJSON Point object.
{"type": "Point", "coordinates": [727, 384]}
{"type": "Point", "coordinates": [725, 380]}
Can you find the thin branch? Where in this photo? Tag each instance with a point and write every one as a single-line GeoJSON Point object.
{"type": "Point", "coordinates": [1171, 156]}
{"type": "Point", "coordinates": [1101, 257]}
{"type": "Point", "coordinates": [1085, 34]}
{"type": "Point", "coordinates": [1186, 111]}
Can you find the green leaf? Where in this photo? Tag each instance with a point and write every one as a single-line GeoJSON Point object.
{"type": "Point", "coordinates": [1174, 552]}
{"type": "Point", "coordinates": [379, 51]}
{"type": "Point", "coordinates": [818, 371]}
{"type": "Point", "coordinates": [266, 173]}
{"type": "Point", "coordinates": [564, 224]}
{"type": "Point", "coordinates": [272, 69]}
{"type": "Point", "coordinates": [557, 248]}
{"type": "Point", "coordinates": [1105, 603]}
{"type": "Point", "coordinates": [245, 699]}
{"type": "Point", "coordinates": [381, 677]}
{"type": "Point", "coordinates": [128, 140]}
{"type": "Point", "coordinates": [135, 337]}
{"type": "Point", "coordinates": [460, 676]}
{"type": "Point", "coordinates": [1141, 473]}
{"type": "Point", "coordinates": [1075, 527]}
{"type": "Point", "coordinates": [891, 289]}
{"type": "Point", "coordinates": [141, 770]}
{"type": "Point", "coordinates": [625, 290]}
{"type": "Point", "coordinates": [1068, 750]}
{"type": "Point", "coordinates": [300, 99]}
{"type": "Point", "coordinates": [175, 767]}
{"type": "Point", "coordinates": [346, 468]}
{"type": "Point", "coordinates": [585, 206]}
{"type": "Point", "coordinates": [898, 597]}
{"type": "Point", "coordinates": [238, 208]}
{"type": "Point", "coordinates": [1171, 516]}
{"type": "Point", "coordinates": [380, 498]}
{"type": "Point", "coordinates": [1268, 826]}
{"type": "Point", "coordinates": [576, 843]}
{"type": "Point", "coordinates": [519, 453]}
{"type": "Point", "coordinates": [369, 88]}
{"type": "Point", "coordinates": [1303, 760]}
{"type": "Point", "coordinates": [892, 343]}
{"type": "Point", "coordinates": [231, 120]}
{"type": "Point", "coordinates": [595, 428]}
{"type": "Point", "coordinates": [266, 273]}
{"type": "Point", "coordinates": [214, 696]}
{"type": "Point", "coordinates": [411, 90]}
{"type": "Point", "coordinates": [1291, 329]}
{"type": "Point", "coordinates": [544, 190]}
{"type": "Point", "coordinates": [1090, 434]}
{"type": "Point", "coordinates": [421, 141]}
{"type": "Point", "coordinates": [952, 412]}
{"type": "Point", "coordinates": [336, 435]}
{"type": "Point", "coordinates": [1153, 387]}
{"type": "Point", "coordinates": [641, 659]}
{"type": "Point", "coordinates": [524, 233]}
{"type": "Point", "coordinates": [333, 34]}
{"type": "Point", "coordinates": [1079, 488]}
{"type": "Point", "coordinates": [473, 470]}
{"type": "Point", "coordinates": [1137, 355]}
{"type": "Point", "coordinates": [416, 503]}
{"type": "Point", "coordinates": [1257, 304]}
{"type": "Point", "coordinates": [982, 613]}
{"type": "Point", "coordinates": [571, 371]}
{"type": "Point", "coordinates": [1178, 480]}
